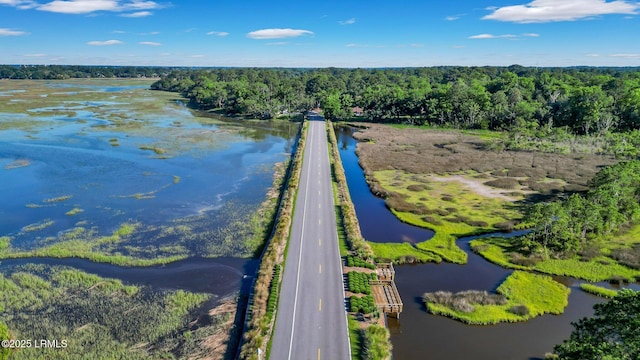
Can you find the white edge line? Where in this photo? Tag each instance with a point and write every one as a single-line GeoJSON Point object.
{"type": "Point", "coordinates": [344, 296]}
{"type": "Point", "coordinates": [304, 214]}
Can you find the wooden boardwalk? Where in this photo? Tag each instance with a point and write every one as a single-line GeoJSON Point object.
{"type": "Point", "coordinates": [384, 291]}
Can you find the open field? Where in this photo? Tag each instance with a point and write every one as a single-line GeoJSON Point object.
{"type": "Point", "coordinates": [455, 184]}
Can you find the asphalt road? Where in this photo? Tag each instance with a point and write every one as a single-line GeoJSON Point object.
{"type": "Point", "coordinates": [311, 320]}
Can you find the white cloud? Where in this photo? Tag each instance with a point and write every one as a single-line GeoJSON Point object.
{"type": "Point", "coordinates": [347, 22]}
{"type": "Point", "coordinates": [104, 43]}
{"type": "Point", "coordinates": [149, 43]}
{"type": "Point", "coordinates": [454, 17]}
{"type": "Point", "coordinates": [197, 56]}
{"type": "Point", "coordinates": [118, 32]}
{"type": "Point", "coordinates": [218, 33]}
{"type": "Point", "coordinates": [277, 33]}
{"type": "Point", "coordinates": [630, 56]}
{"type": "Point", "coordinates": [90, 6]}
{"type": "Point", "coordinates": [20, 4]}
{"type": "Point", "coordinates": [138, 14]}
{"type": "Point", "coordinates": [9, 32]}
{"type": "Point", "coordinates": [34, 55]}
{"type": "Point", "coordinates": [491, 36]}
{"type": "Point", "coordinates": [531, 35]}
{"type": "Point", "coordinates": [277, 43]}
{"type": "Point", "coordinates": [416, 45]}
{"type": "Point", "coordinates": [540, 11]}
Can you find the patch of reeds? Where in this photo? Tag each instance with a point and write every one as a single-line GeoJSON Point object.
{"type": "Point", "coordinates": [377, 343]}
{"type": "Point", "coordinates": [57, 199]}
{"type": "Point", "coordinates": [464, 301]}
{"type": "Point", "coordinates": [628, 256]}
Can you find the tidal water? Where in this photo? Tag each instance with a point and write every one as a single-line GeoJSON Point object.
{"type": "Point", "coordinates": [119, 153]}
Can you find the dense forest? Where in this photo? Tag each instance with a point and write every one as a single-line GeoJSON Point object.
{"type": "Point", "coordinates": [61, 72]}
{"type": "Point", "coordinates": [582, 100]}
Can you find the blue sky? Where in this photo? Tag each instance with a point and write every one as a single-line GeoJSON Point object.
{"type": "Point", "coordinates": [345, 33]}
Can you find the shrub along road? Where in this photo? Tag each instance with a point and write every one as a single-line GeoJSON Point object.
{"type": "Point", "coordinates": [311, 321]}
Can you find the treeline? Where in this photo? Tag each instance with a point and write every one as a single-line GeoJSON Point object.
{"type": "Point", "coordinates": [579, 223]}
{"type": "Point", "coordinates": [61, 72]}
{"type": "Point", "coordinates": [584, 100]}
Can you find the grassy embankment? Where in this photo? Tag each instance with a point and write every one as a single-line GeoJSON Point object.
{"type": "Point", "coordinates": [99, 317]}
{"type": "Point", "coordinates": [599, 290]}
{"type": "Point", "coordinates": [260, 318]}
{"type": "Point", "coordinates": [368, 340]}
{"type": "Point", "coordinates": [520, 297]}
{"type": "Point", "coordinates": [604, 266]}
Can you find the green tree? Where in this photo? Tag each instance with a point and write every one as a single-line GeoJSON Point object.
{"type": "Point", "coordinates": [612, 333]}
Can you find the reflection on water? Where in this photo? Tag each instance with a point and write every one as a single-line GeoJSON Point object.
{"type": "Point", "coordinates": [116, 153]}
{"type": "Point", "coordinates": [419, 335]}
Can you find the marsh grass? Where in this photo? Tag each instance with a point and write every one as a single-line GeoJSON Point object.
{"type": "Point", "coordinates": [19, 163]}
{"type": "Point", "coordinates": [520, 297]}
{"type": "Point", "coordinates": [598, 290]}
{"type": "Point", "coordinates": [38, 226]}
{"type": "Point", "coordinates": [503, 251]}
{"type": "Point", "coordinates": [74, 211]}
{"type": "Point", "coordinates": [57, 199]}
{"type": "Point", "coordinates": [99, 317]}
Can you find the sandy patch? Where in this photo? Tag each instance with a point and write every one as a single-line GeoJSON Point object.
{"type": "Point", "coordinates": [477, 186]}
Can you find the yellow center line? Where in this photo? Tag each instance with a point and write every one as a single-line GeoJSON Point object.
{"type": "Point", "coordinates": [320, 269]}
{"type": "Point", "coordinates": [318, 353]}
{"type": "Point", "coordinates": [319, 221]}
{"type": "Point", "coordinates": [320, 305]}
{"type": "Point", "coordinates": [320, 242]}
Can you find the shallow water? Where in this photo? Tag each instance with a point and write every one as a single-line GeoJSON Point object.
{"type": "Point", "coordinates": [125, 154]}
{"type": "Point", "coordinates": [420, 335]}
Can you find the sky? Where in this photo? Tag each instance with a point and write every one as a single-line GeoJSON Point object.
{"type": "Point", "coordinates": [284, 33]}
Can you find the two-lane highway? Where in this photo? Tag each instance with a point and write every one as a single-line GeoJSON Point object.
{"type": "Point", "coordinates": [311, 322]}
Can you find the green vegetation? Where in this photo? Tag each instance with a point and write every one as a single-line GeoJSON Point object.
{"type": "Point", "coordinates": [358, 282]}
{"type": "Point", "coordinates": [99, 317]}
{"type": "Point", "coordinates": [443, 205]}
{"type": "Point", "coordinates": [74, 211]}
{"type": "Point", "coordinates": [4, 335]}
{"type": "Point", "coordinates": [364, 304]}
{"type": "Point", "coordinates": [58, 199]}
{"type": "Point", "coordinates": [571, 226]}
{"type": "Point", "coordinates": [520, 297]}
{"type": "Point", "coordinates": [377, 345]}
{"type": "Point", "coordinates": [274, 290]}
{"type": "Point", "coordinates": [355, 337]}
{"type": "Point", "coordinates": [612, 333]}
{"type": "Point", "coordinates": [598, 290]}
{"type": "Point", "coordinates": [591, 236]}
{"type": "Point", "coordinates": [154, 148]}
{"type": "Point", "coordinates": [402, 253]}
{"type": "Point", "coordinates": [38, 226]}
{"type": "Point", "coordinates": [354, 261]}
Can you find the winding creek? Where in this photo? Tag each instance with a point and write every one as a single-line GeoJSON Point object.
{"type": "Point", "coordinates": [419, 335]}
